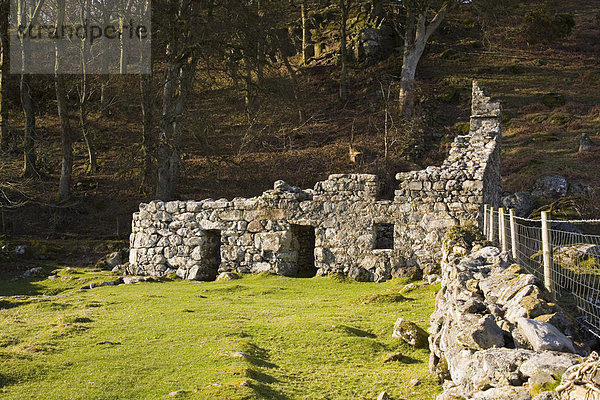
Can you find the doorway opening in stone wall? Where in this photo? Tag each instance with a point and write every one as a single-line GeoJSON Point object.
{"type": "Point", "coordinates": [384, 236]}
{"type": "Point", "coordinates": [211, 254]}
{"type": "Point", "coordinates": [303, 237]}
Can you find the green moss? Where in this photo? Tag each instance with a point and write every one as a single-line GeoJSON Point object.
{"type": "Point", "coordinates": [337, 276]}
{"type": "Point", "coordinates": [383, 298]}
{"type": "Point", "coordinates": [538, 119]}
{"type": "Point", "coordinates": [559, 119]}
{"type": "Point", "coordinates": [467, 234]}
{"type": "Point", "coordinates": [553, 100]}
{"type": "Point", "coordinates": [546, 386]}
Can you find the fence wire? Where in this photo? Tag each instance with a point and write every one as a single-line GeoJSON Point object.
{"type": "Point", "coordinates": [574, 259]}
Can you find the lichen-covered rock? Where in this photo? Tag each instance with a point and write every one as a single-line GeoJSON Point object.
{"type": "Point", "coordinates": [359, 274]}
{"type": "Point", "coordinates": [482, 339]}
{"type": "Point", "coordinates": [227, 276]}
{"type": "Point", "coordinates": [410, 332]}
{"type": "Point", "coordinates": [548, 395]}
{"type": "Point", "coordinates": [522, 202]}
{"type": "Point", "coordinates": [548, 362]}
{"type": "Point", "coordinates": [544, 336]}
{"type": "Point", "coordinates": [550, 186]}
{"type": "Point", "coordinates": [481, 335]}
{"type": "Point", "coordinates": [502, 393]}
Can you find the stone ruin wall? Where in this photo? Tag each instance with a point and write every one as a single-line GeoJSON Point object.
{"type": "Point", "coordinates": [340, 221]}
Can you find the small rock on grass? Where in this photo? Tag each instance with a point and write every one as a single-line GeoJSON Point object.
{"type": "Point", "coordinates": [393, 357]}
{"type": "Point", "coordinates": [414, 382]}
{"type": "Point", "coordinates": [237, 354]}
{"type": "Point", "coordinates": [176, 393]}
{"type": "Point", "coordinates": [383, 396]}
{"type": "Point", "coordinates": [227, 276]}
{"type": "Point", "coordinates": [410, 332]}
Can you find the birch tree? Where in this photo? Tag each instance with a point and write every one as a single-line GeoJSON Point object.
{"type": "Point", "coordinates": [423, 17]}
{"type": "Point", "coordinates": [64, 187]}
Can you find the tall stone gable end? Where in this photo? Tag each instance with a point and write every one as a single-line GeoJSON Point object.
{"type": "Point", "coordinates": [339, 226]}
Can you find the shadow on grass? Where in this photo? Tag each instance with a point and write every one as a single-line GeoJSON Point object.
{"type": "Point", "coordinates": [261, 376]}
{"type": "Point", "coordinates": [5, 380]}
{"type": "Point", "coordinates": [267, 392]}
{"type": "Point", "coordinates": [25, 287]}
{"type": "Point", "coordinates": [258, 355]}
{"type": "Point", "coordinates": [409, 360]}
{"type": "Point", "coordinates": [350, 331]}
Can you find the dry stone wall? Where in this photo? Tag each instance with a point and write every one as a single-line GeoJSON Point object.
{"type": "Point", "coordinates": [495, 333]}
{"type": "Point", "coordinates": [340, 222]}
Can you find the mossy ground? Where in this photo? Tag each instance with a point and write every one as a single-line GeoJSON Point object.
{"type": "Point", "coordinates": [302, 339]}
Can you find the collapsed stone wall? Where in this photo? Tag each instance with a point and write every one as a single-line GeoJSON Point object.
{"type": "Point", "coordinates": [495, 334]}
{"type": "Point", "coordinates": [350, 225]}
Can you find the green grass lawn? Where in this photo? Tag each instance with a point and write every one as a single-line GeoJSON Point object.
{"type": "Point", "coordinates": [301, 338]}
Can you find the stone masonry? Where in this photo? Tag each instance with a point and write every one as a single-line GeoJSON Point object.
{"type": "Point", "coordinates": [339, 226]}
{"type": "Point", "coordinates": [495, 333]}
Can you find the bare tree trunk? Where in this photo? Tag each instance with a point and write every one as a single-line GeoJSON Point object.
{"type": "Point", "coordinates": [105, 78]}
{"type": "Point", "coordinates": [248, 99]}
{"type": "Point", "coordinates": [286, 62]}
{"type": "Point", "coordinates": [178, 77]}
{"type": "Point", "coordinates": [29, 168]}
{"type": "Point", "coordinates": [147, 147]}
{"type": "Point", "coordinates": [407, 74]}
{"type": "Point", "coordinates": [260, 48]}
{"type": "Point", "coordinates": [4, 11]}
{"type": "Point", "coordinates": [84, 95]}
{"type": "Point", "coordinates": [304, 34]}
{"type": "Point", "coordinates": [123, 56]}
{"type": "Point", "coordinates": [416, 36]}
{"type": "Point", "coordinates": [147, 143]}
{"type": "Point", "coordinates": [344, 4]}
{"type": "Point", "coordinates": [166, 152]}
{"type": "Point", "coordinates": [64, 187]}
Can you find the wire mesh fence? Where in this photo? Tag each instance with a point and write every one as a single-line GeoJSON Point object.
{"type": "Point", "coordinates": [559, 253]}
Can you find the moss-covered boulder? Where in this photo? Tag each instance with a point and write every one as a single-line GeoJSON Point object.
{"type": "Point", "coordinates": [410, 332]}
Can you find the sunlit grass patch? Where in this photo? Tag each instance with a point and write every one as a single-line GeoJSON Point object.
{"type": "Point", "coordinates": [261, 337]}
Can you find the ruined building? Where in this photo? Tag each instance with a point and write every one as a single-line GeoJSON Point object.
{"type": "Point", "coordinates": [339, 226]}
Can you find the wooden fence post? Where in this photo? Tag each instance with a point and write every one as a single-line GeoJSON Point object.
{"type": "Point", "coordinates": [502, 229]}
{"type": "Point", "coordinates": [491, 237]}
{"type": "Point", "coordinates": [513, 233]}
{"type": "Point", "coordinates": [546, 250]}
{"type": "Point", "coordinates": [485, 219]}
